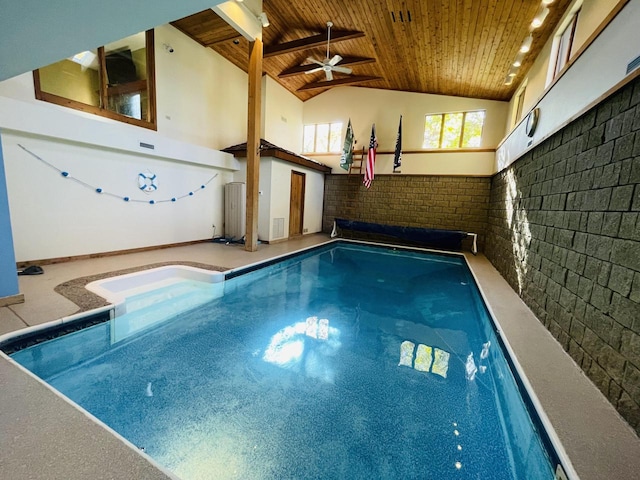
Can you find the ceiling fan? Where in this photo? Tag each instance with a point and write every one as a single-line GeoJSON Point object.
{"type": "Point", "coordinates": [328, 65]}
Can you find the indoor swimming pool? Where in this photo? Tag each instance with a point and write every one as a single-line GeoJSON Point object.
{"type": "Point", "coordinates": [346, 361]}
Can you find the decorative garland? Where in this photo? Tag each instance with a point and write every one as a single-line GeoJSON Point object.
{"type": "Point", "coordinates": [99, 190]}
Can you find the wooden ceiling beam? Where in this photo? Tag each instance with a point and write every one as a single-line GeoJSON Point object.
{"type": "Point", "coordinates": [351, 80]}
{"type": "Point", "coordinates": [310, 42]}
{"type": "Point", "coordinates": [300, 69]}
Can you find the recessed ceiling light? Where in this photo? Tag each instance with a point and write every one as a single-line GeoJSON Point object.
{"type": "Point", "coordinates": [538, 20]}
{"type": "Point", "coordinates": [526, 45]}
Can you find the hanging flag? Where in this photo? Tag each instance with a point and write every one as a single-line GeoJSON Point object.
{"type": "Point", "coordinates": [397, 157]}
{"type": "Point", "coordinates": [346, 159]}
{"type": "Point", "coordinates": [371, 158]}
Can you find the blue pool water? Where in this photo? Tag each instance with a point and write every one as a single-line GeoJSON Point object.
{"type": "Point", "coordinates": [346, 362]}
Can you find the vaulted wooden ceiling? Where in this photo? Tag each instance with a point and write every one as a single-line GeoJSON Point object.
{"type": "Point", "coordinates": [449, 47]}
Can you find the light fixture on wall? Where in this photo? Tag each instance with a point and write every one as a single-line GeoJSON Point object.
{"type": "Point", "coordinates": [538, 20]}
{"type": "Point", "coordinates": [167, 47]}
{"type": "Point", "coordinates": [263, 20]}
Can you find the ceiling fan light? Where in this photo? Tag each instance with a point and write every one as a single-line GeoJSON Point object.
{"type": "Point", "coordinates": [538, 20]}
{"type": "Point", "coordinates": [526, 44]}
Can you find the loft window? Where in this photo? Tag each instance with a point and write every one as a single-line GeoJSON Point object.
{"type": "Point", "coordinates": [115, 81]}
{"type": "Point", "coordinates": [453, 130]}
{"type": "Point", "coordinates": [519, 104]}
{"type": "Point", "coordinates": [564, 45]}
{"type": "Point", "coordinates": [322, 138]}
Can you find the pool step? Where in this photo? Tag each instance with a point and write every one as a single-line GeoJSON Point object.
{"type": "Point", "coordinates": [152, 308]}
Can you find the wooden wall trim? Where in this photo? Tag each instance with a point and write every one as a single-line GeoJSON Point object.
{"type": "Point", "coordinates": [73, 258]}
{"type": "Point", "coordinates": [415, 152]}
{"type": "Point", "coordinates": [11, 300]}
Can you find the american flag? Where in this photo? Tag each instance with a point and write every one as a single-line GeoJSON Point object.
{"type": "Point", "coordinates": [371, 158]}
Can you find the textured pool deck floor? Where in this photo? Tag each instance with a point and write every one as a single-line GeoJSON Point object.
{"type": "Point", "coordinates": [44, 437]}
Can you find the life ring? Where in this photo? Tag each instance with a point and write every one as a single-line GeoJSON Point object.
{"type": "Point", "coordinates": [147, 182]}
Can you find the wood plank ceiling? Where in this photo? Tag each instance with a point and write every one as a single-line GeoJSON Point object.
{"type": "Point", "coordinates": [449, 47]}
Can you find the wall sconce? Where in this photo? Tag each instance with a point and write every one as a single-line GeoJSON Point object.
{"type": "Point", "coordinates": [263, 20]}
{"type": "Point", "coordinates": [538, 20]}
{"type": "Point", "coordinates": [526, 44]}
{"type": "Point", "coordinates": [167, 47]}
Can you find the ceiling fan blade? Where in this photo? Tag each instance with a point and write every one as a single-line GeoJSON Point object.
{"type": "Point", "coordinates": [329, 75]}
{"type": "Point", "coordinates": [313, 60]}
{"type": "Point", "coordinates": [341, 69]}
{"type": "Point", "coordinates": [314, 70]}
{"type": "Point", "coordinates": [335, 60]}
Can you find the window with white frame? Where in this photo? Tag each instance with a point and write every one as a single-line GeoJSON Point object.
{"type": "Point", "coordinates": [519, 103]}
{"type": "Point", "coordinates": [322, 138]}
{"type": "Point", "coordinates": [564, 44]}
{"type": "Point", "coordinates": [454, 130]}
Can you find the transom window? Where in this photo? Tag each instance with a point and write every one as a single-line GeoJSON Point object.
{"type": "Point", "coordinates": [453, 130]}
{"type": "Point", "coordinates": [322, 138]}
{"type": "Point", "coordinates": [115, 81]}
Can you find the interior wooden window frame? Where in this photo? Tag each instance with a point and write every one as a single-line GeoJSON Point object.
{"type": "Point", "coordinates": [460, 137]}
{"type": "Point", "coordinates": [101, 111]}
{"type": "Point", "coordinates": [315, 138]}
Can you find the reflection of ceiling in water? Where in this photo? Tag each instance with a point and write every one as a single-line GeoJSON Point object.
{"type": "Point", "coordinates": [305, 347]}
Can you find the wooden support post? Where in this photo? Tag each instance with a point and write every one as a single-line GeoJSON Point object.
{"type": "Point", "coordinates": [253, 144]}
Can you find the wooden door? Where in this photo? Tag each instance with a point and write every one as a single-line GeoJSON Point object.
{"type": "Point", "coordinates": [296, 204]}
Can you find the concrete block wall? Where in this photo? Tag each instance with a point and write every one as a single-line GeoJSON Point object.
{"type": "Point", "coordinates": [445, 202]}
{"type": "Point", "coordinates": [564, 230]}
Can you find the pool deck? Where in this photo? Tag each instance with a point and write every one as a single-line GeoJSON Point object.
{"type": "Point", "coordinates": [43, 436]}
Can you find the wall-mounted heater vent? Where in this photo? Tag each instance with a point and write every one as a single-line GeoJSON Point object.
{"type": "Point", "coordinates": [278, 227]}
{"type": "Point", "coordinates": [147, 145]}
{"type": "Point", "coordinates": [633, 64]}
{"type": "Point", "coordinates": [401, 16]}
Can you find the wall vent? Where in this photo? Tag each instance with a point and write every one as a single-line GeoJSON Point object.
{"type": "Point", "coordinates": [633, 64]}
{"type": "Point", "coordinates": [401, 16]}
{"type": "Point", "coordinates": [278, 227]}
{"type": "Point", "coordinates": [147, 145]}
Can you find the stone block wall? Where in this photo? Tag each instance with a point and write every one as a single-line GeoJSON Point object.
{"type": "Point", "coordinates": [445, 202]}
{"type": "Point", "coordinates": [564, 230]}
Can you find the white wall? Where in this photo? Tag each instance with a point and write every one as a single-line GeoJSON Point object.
{"type": "Point", "coordinates": [53, 216]}
{"type": "Point", "coordinates": [281, 195]}
{"type": "Point", "coordinates": [274, 202]}
{"type": "Point", "coordinates": [204, 98]}
{"type": "Point", "coordinates": [383, 107]}
{"type": "Point", "coordinates": [282, 116]}
{"type": "Point", "coordinates": [599, 69]}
